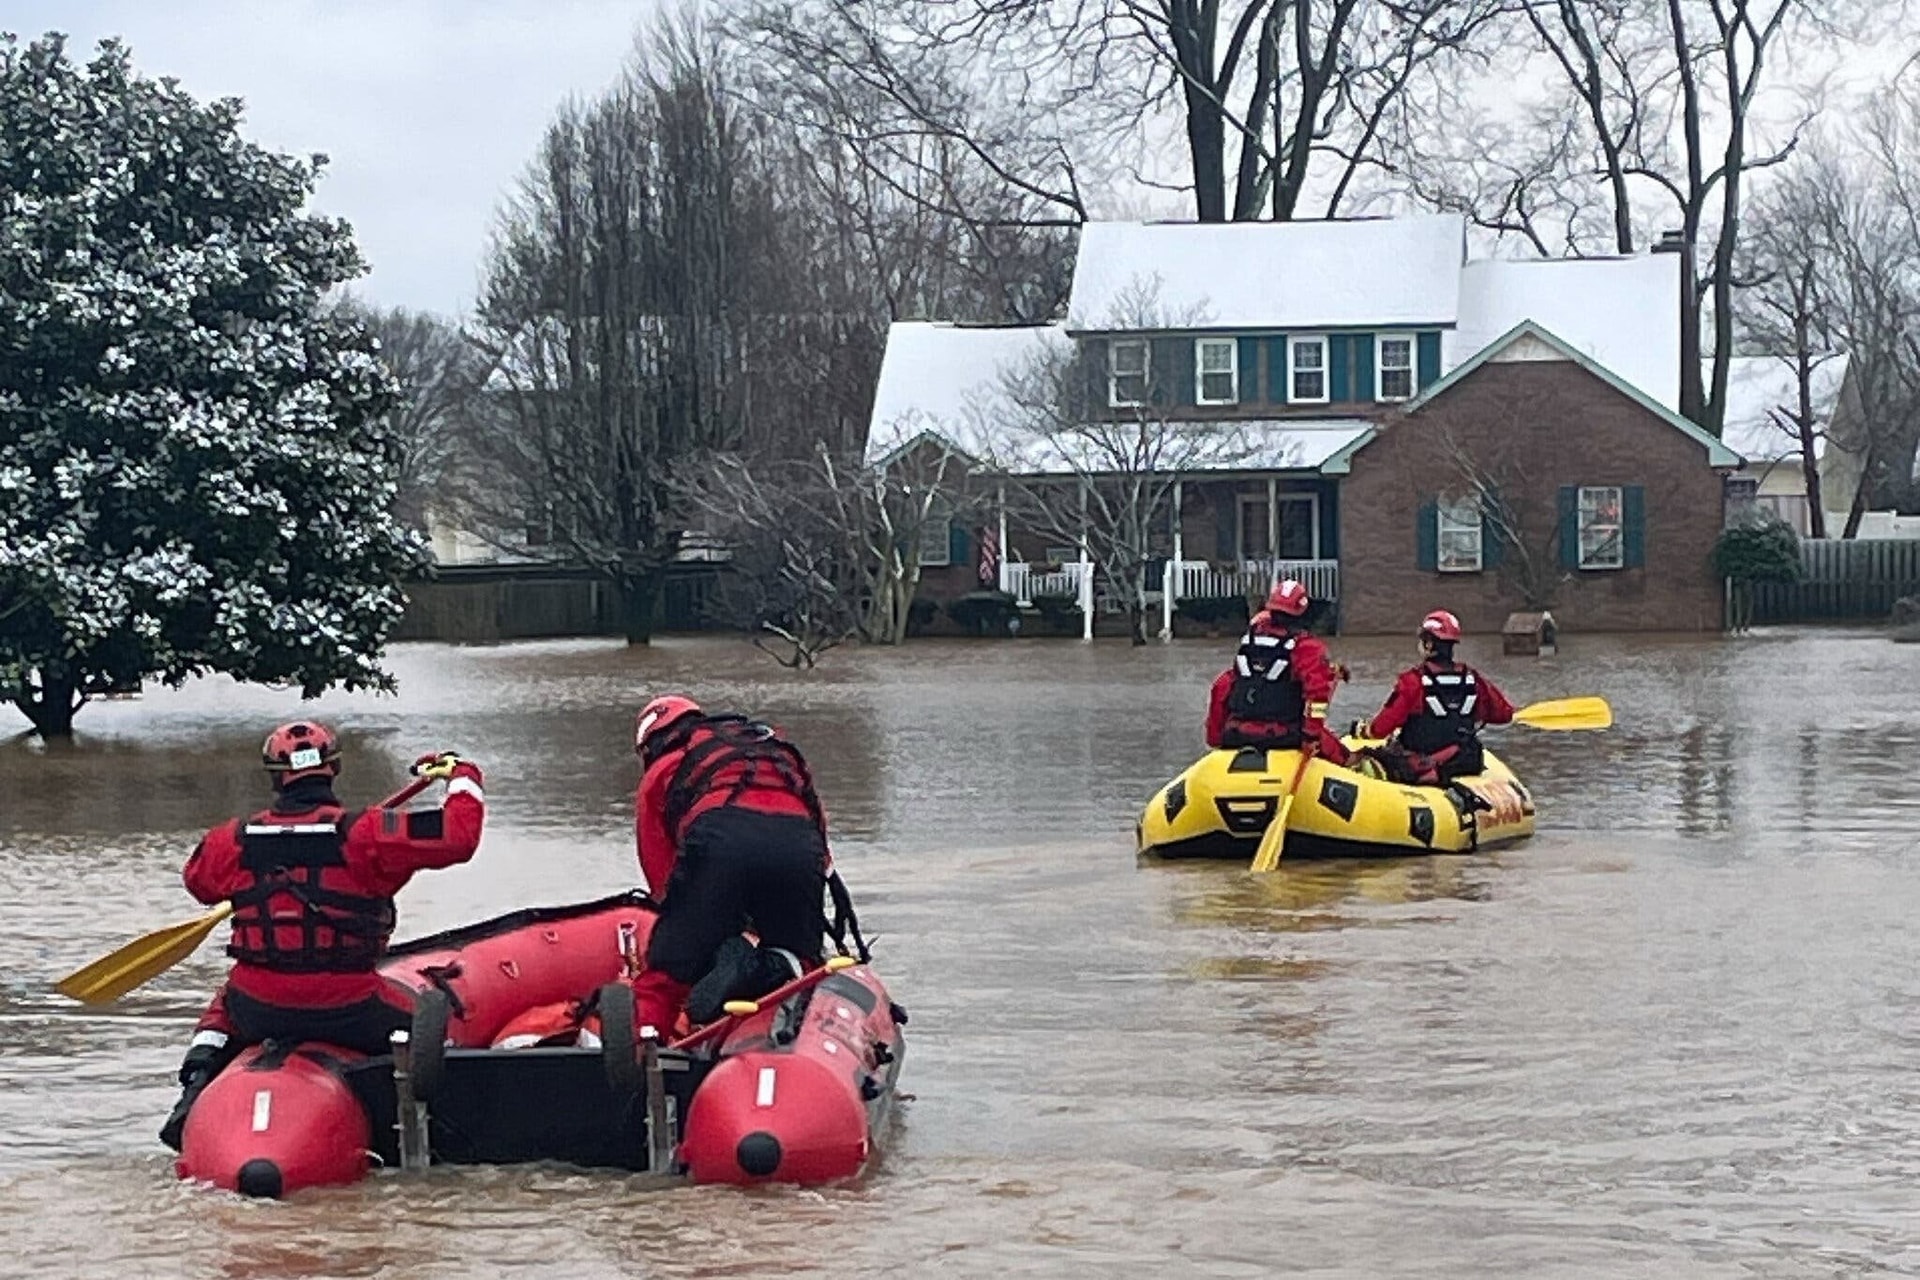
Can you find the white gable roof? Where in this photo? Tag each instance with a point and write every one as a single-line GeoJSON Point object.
{"type": "Point", "coordinates": [946, 380]}
{"type": "Point", "coordinates": [1270, 275]}
{"type": "Point", "coordinates": [1622, 313]}
{"type": "Point", "coordinates": [1757, 386]}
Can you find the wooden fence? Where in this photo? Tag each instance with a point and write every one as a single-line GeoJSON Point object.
{"type": "Point", "coordinates": [1843, 578]}
{"type": "Point", "coordinates": [527, 602]}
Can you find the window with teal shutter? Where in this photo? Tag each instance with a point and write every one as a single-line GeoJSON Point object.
{"type": "Point", "coordinates": [1362, 367]}
{"type": "Point", "coordinates": [1250, 370]}
{"type": "Point", "coordinates": [1276, 370]}
{"type": "Point", "coordinates": [1428, 359]}
{"type": "Point", "coordinates": [1633, 503]}
{"type": "Point", "coordinates": [959, 544]}
{"type": "Point", "coordinates": [1339, 369]}
{"type": "Point", "coordinates": [1569, 508]}
{"type": "Point", "coordinates": [1427, 535]}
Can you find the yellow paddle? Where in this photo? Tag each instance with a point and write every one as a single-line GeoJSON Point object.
{"type": "Point", "coordinates": [150, 955]}
{"type": "Point", "coordinates": [1566, 713]}
{"type": "Point", "coordinates": [142, 960]}
{"type": "Point", "coordinates": [1267, 856]}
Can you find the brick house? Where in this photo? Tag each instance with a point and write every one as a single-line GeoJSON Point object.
{"type": "Point", "coordinates": [1313, 345]}
{"type": "Point", "coordinates": [1532, 477]}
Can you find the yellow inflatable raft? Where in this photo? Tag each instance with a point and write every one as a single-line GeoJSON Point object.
{"type": "Point", "coordinates": [1222, 804]}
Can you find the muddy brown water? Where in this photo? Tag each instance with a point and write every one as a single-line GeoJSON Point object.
{"type": "Point", "coordinates": [1676, 1034]}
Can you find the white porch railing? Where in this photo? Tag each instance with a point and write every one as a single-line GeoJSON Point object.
{"type": "Point", "coordinates": [1018, 580]}
{"type": "Point", "coordinates": [1199, 579]}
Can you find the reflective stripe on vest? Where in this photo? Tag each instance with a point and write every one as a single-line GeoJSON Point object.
{"type": "Point", "coordinates": [1435, 684]}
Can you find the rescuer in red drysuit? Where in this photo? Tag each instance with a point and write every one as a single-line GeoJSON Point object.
{"type": "Point", "coordinates": [1438, 708]}
{"type": "Point", "coordinates": [1277, 690]}
{"type": "Point", "coordinates": [312, 888]}
{"type": "Point", "coordinates": [730, 834]}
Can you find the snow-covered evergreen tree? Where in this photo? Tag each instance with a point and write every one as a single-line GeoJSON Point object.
{"type": "Point", "coordinates": [195, 469]}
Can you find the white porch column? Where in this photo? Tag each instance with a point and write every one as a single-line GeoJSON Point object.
{"type": "Point", "coordinates": [1000, 500]}
{"type": "Point", "coordinates": [1170, 580]}
{"type": "Point", "coordinates": [1086, 571]}
{"type": "Point", "coordinates": [1273, 532]}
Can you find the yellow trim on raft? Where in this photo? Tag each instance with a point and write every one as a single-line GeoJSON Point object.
{"type": "Point", "coordinates": [1226, 799]}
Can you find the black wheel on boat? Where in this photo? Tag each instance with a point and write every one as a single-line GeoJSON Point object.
{"type": "Point", "coordinates": [427, 1043]}
{"type": "Point", "coordinates": [619, 1041]}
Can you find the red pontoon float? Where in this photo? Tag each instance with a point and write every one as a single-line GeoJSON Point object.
{"type": "Point", "coordinates": [790, 1087]}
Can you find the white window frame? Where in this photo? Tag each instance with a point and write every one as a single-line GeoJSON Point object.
{"type": "Point", "coordinates": [1200, 370]}
{"type": "Point", "coordinates": [1380, 341]}
{"type": "Point", "coordinates": [943, 558]}
{"type": "Point", "coordinates": [1586, 517]}
{"type": "Point", "coordinates": [1294, 343]}
{"type": "Point", "coordinates": [1449, 517]}
{"type": "Point", "coordinates": [1115, 374]}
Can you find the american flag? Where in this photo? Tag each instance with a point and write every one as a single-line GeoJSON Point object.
{"type": "Point", "coordinates": [989, 558]}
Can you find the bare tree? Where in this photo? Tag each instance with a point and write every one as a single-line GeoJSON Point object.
{"type": "Point", "coordinates": [1103, 479]}
{"type": "Point", "coordinates": [847, 532]}
{"type": "Point", "coordinates": [617, 313]}
{"type": "Point", "coordinates": [1656, 107]}
{"type": "Point", "coordinates": [1263, 89]}
{"type": "Point", "coordinates": [1791, 308]}
{"type": "Point", "coordinates": [439, 374]}
{"type": "Point", "coordinates": [789, 580]}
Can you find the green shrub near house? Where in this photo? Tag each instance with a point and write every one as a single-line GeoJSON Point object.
{"type": "Point", "coordinates": [985, 613]}
{"type": "Point", "coordinates": [1760, 548]}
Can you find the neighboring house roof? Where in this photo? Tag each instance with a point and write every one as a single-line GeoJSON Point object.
{"type": "Point", "coordinates": [944, 381]}
{"type": "Point", "coordinates": [1372, 273]}
{"type": "Point", "coordinates": [1528, 331]}
{"type": "Point", "coordinates": [1757, 386]}
{"type": "Point", "coordinates": [1621, 313]}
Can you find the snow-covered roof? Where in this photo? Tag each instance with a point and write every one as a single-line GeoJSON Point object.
{"type": "Point", "coordinates": [1622, 313]}
{"type": "Point", "coordinates": [946, 380]}
{"type": "Point", "coordinates": [1759, 385]}
{"type": "Point", "coordinates": [1268, 275]}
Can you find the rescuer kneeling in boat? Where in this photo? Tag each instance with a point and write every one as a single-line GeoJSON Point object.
{"type": "Point", "coordinates": [312, 888]}
{"type": "Point", "coordinates": [1438, 708]}
{"type": "Point", "coordinates": [730, 835]}
{"type": "Point", "coordinates": [1277, 691]}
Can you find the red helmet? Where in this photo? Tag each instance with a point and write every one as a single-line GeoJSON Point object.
{"type": "Point", "coordinates": [1288, 597]}
{"type": "Point", "coordinates": [305, 748]}
{"type": "Point", "coordinates": [657, 717]}
{"type": "Point", "coordinates": [1441, 625]}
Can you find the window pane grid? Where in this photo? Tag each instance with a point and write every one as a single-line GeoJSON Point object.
{"type": "Point", "coordinates": [1461, 539]}
{"type": "Point", "coordinates": [1308, 366]}
{"type": "Point", "coordinates": [1601, 541]}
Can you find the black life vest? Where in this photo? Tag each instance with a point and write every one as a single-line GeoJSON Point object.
{"type": "Point", "coordinates": [1265, 689]}
{"type": "Point", "coordinates": [735, 755]}
{"type": "Point", "coordinates": [297, 916]}
{"type": "Point", "coordinates": [1446, 718]}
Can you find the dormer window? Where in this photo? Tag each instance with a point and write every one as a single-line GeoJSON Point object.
{"type": "Point", "coordinates": [1128, 364]}
{"type": "Point", "coordinates": [1216, 363]}
{"type": "Point", "coordinates": [1393, 366]}
{"type": "Point", "coordinates": [1307, 370]}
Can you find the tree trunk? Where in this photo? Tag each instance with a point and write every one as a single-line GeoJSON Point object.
{"type": "Point", "coordinates": [50, 707]}
{"type": "Point", "coordinates": [636, 596]}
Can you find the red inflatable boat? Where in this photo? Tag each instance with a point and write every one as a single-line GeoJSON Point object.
{"type": "Point", "coordinates": [792, 1087]}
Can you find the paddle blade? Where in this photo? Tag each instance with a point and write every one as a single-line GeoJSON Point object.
{"type": "Point", "coordinates": [1566, 713]}
{"type": "Point", "coordinates": [140, 961]}
{"type": "Point", "coordinates": [1267, 857]}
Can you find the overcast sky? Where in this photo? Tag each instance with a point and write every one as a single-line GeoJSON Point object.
{"type": "Point", "coordinates": [428, 109]}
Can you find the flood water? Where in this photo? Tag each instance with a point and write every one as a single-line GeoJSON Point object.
{"type": "Point", "coordinates": [1675, 1034]}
